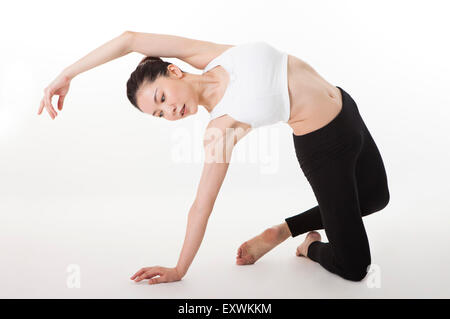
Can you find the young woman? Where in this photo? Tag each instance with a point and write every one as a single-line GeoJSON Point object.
{"type": "Point", "coordinates": [244, 87]}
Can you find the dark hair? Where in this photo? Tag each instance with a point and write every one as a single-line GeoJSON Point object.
{"type": "Point", "coordinates": [148, 70]}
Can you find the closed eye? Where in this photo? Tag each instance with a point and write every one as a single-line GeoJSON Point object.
{"type": "Point", "coordinates": [163, 98]}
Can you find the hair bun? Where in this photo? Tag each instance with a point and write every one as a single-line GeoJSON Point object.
{"type": "Point", "coordinates": [150, 58]}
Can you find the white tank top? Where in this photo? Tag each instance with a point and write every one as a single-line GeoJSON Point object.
{"type": "Point", "coordinates": [257, 93]}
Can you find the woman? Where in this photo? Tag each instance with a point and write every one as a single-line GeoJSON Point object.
{"type": "Point", "coordinates": [244, 87]}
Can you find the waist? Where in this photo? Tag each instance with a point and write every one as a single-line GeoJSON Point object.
{"type": "Point", "coordinates": [346, 124]}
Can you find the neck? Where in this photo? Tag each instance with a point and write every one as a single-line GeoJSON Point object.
{"type": "Point", "coordinates": [206, 87]}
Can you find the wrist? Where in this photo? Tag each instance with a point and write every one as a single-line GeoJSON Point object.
{"type": "Point", "coordinates": [181, 272]}
{"type": "Point", "coordinates": [67, 73]}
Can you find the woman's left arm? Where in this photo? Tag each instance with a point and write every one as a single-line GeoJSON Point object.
{"type": "Point", "coordinates": [219, 142]}
{"type": "Point", "coordinates": [213, 174]}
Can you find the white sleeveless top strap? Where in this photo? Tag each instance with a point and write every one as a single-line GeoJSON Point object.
{"type": "Point", "coordinates": [226, 62]}
{"type": "Point", "coordinates": [257, 93]}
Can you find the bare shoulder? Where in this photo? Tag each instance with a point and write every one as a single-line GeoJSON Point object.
{"type": "Point", "coordinates": [223, 126]}
{"type": "Point", "coordinates": [205, 52]}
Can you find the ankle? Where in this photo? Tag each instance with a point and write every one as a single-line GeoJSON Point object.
{"type": "Point", "coordinates": [283, 231]}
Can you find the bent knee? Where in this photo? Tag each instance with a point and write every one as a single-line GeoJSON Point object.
{"type": "Point", "coordinates": [355, 275]}
{"type": "Point", "coordinates": [377, 203]}
{"type": "Point", "coordinates": [357, 269]}
{"type": "Point", "coordinates": [384, 198]}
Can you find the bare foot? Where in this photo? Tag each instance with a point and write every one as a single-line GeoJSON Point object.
{"type": "Point", "coordinates": [250, 251]}
{"type": "Point", "coordinates": [312, 236]}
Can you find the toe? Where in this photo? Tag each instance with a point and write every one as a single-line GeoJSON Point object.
{"type": "Point", "coordinates": [242, 261]}
{"type": "Point", "coordinates": [243, 249]}
{"type": "Point", "coordinates": [299, 251]}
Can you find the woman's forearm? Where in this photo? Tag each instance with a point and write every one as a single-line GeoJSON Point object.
{"type": "Point", "coordinates": [113, 49]}
{"type": "Point", "coordinates": [195, 230]}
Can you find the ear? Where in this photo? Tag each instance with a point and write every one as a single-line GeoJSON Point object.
{"type": "Point", "coordinates": [173, 69]}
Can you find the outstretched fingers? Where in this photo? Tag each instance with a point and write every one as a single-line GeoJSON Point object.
{"type": "Point", "coordinates": [146, 273]}
{"type": "Point", "coordinates": [138, 273]}
{"type": "Point", "coordinates": [149, 274]}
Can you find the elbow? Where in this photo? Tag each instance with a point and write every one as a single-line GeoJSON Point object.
{"type": "Point", "coordinates": [128, 36]}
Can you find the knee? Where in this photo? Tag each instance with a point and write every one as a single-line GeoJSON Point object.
{"type": "Point", "coordinates": [357, 273]}
{"type": "Point", "coordinates": [357, 269]}
{"type": "Point", "coordinates": [384, 198]}
{"type": "Point", "coordinates": [377, 202]}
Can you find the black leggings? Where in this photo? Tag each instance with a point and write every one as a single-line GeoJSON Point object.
{"type": "Point", "coordinates": [346, 172]}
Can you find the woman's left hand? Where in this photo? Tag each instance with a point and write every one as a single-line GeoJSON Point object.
{"type": "Point", "coordinates": [165, 275]}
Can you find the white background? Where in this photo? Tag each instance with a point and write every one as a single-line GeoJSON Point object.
{"type": "Point", "coordinates": [98, 186]}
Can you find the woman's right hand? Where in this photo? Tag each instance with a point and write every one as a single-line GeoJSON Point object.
{"type": "Point", "coordinates": [59, 86]}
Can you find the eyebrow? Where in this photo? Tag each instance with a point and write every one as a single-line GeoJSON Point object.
{"type": "Point", "coordinates": [154, 99]}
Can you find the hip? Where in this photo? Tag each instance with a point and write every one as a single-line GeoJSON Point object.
{"type": "Point", "coordinates": [339, 139]}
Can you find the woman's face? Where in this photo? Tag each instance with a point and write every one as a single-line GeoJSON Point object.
{"type": "Point", "coordinates": [170, 97]}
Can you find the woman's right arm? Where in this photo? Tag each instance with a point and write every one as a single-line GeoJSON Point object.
{"type": "Point", "coordinates": [113, 49]}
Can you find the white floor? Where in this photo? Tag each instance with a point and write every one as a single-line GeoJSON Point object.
{"type": "Point", "coordinates": [113, 237]}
